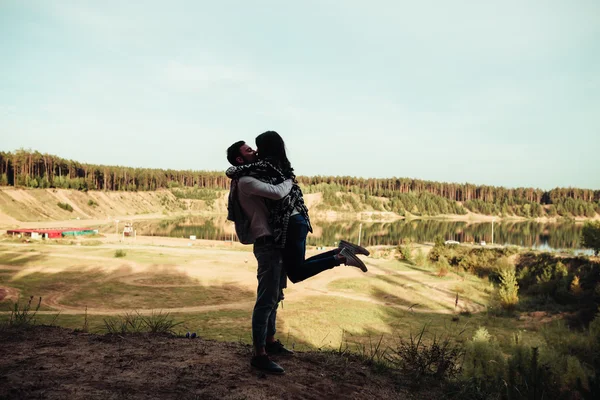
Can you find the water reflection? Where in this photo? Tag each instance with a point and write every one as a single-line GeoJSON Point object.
{"type": "Point", "coordinates": [527, 234]}
{"type": "Point", "coordinates": [523, 233]}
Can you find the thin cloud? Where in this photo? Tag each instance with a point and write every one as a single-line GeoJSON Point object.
{"type": "Point", "coordinates": [194, 77]}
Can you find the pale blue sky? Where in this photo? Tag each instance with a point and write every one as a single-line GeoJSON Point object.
{"type": "Point", "coordinates": [489, 92]}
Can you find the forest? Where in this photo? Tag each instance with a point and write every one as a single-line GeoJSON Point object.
{"type": "Point", "coordinates": [32, 169]}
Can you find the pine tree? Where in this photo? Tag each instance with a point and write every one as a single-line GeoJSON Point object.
{"type": "Point", "coordinates": [509, 288]}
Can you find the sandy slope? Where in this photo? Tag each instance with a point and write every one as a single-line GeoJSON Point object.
{"type": "Point", "coordinates": [39, 208]}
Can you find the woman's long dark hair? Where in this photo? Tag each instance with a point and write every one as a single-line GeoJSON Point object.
{"type": "Point", "coordinates": [270, 147]}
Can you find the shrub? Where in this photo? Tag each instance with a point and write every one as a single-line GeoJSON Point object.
{"type": "Point", "coordinates": [25, 316]}
{"type": "Point", "coordinates": [439, 241]}
{"type": "Point", "coordinates": [420, 258]}
{"type": "Point", "coordinates": [65, 206]}
{"type": "Point", "coordinates": [547, 275]}
{"type": "Point", "coordinates": [136, 323]}
{"type": "Point", "coordinates": [509, 289]}
{"type": "Point", "coordinates": [590, 236]}
{"type": "Point", "coordinates": [160, 323]}
{"type": "Point", "coordinates": [443, 266]}
{"type": "Point", "coordinates": [503, 263]}
{"type": "Point", "coordinates": [122, 324]}
{"type": "Point", "coordinates": [92, 203]}
{"type": "Point", "coordinates": [438, 358]}
{"type": "Point", "coordinates": [405, 252]}
{"type": "Point", "coordinates": [483, 367]}
{"type": "Point", "coordinates": [197, 193]}
{"type": "Point", "coordinates": [528, 377]}
{"type": "Point", "coordinates": [575, 287]}
{"type": "Point", "coordinates": [120, 253]}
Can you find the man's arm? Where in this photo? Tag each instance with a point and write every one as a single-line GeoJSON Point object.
{"type": "Point", "coordinates": [252, 186]}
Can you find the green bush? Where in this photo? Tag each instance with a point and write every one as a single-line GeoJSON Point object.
{"type": "Point", "coordinates": [503, 263]}
{"type": "Point", "coordinates": [418, 357]}
{"type": "Point", "coordinates": [65, 206]}
{"type": "Point", "coordinates": [443, 266]}
{"type": "Point", "coordinates": [331, 199]}
{"type": "Point", "coordinates": [552, 276]}
{"type": "Point", "coordinates": [480, 261]}
{"type": "Point", "coordinates": [405, 252]}
{"type": "Point", "coordinates": [354, 204]}
{"type": "Point", "coordinates": [565, 366]}
{"type": "Point", "coordinates": [24, 316]}
{"type": "Point", "coordinates": [157, 322]}
{"type": "Point", "coordinates": [484, 366]}
{"type": "Point", "coordinates": [590, 236]}
{"type": "Point", "coordinates": [420, 258]}
{"type": "Point", "coordinates": [509, 289]}
{"type": "Point", "coordinates": [92, 203]}
{"type": "Point", "coordinates": [196, 193]}
{"type": "Point", "coordinates": [120, 253]}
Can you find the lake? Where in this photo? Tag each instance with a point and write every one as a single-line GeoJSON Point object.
{"type": "Point", "coordinates": [546, 236]}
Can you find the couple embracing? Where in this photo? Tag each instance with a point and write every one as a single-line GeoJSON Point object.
{"type": "Point", "coordinates": [268, 209]}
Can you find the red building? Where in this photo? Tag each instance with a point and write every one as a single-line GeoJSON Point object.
{"type": "Point", "coordinates": [51, 233]}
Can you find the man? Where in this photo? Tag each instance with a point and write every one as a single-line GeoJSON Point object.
{"type": "Point", "coordinates": [248, 209]}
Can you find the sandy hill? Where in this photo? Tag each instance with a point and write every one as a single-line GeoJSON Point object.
{"type": "Point", "coordinates": [56, 363]}
{"type": "Point", "coordinates": [18, 206]}
{"type": "Point", "coordinates": [26, 205]}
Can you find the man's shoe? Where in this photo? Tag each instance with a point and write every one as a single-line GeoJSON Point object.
{"type": "Point", "coordinates": [265, 364]}
{"type": "Point", "coordinates": [277, 348]}
{"type": "Point", "coordinates": [353, 260]}
{"type": "Point", "coordinates": [356, 249]}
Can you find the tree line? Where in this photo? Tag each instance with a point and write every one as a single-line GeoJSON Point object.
{"type": "Point", "coordinates": [27, 168]}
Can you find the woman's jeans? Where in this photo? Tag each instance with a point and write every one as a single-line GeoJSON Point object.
{"type": "Point", "coordinates": [297, 268]}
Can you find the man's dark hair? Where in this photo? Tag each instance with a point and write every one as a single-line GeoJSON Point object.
{"type": "Point", "coordinates": [233, 152]}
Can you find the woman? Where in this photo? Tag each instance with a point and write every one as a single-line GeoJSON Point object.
{"type": "Point", "coordinates": [290, 220]}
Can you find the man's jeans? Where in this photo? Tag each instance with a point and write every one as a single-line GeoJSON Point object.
{"type": "Point", "coordinates": [296, 267]}
{"type": "Point", "coordinates": [268, 292]}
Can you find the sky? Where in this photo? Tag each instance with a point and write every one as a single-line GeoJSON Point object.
{"type": "Point", "coordinates": [497, 92]}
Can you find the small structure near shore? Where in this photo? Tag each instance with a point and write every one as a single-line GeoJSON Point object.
{"type": "Point", "coordinates": [51, 233]}
{"type": "Point", "coordinates": [128, 230]}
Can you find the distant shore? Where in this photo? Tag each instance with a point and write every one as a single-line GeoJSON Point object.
{"type": "Point", "coordinates": [27, 208]}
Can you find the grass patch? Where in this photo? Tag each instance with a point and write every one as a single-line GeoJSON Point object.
{"type": "Point", "coordinates": [157, 322]}
{"type": "Point", "coordinates": [118, 295]}
{"type": "Point", "coordinates": [403, 285]}
{"type": "Point", "coordinates": [384, 290]}
{"type": "Point", "coordinates": [23, 316]}
{"type": "Point", "coordinates": [97, 289]}
{"type": "Point", "coordinates": [440, 357]}
{"type": "Point", "coordinates": [328, 322]}
{"type": "Point", "coordinates": [89, 242]}
{"type": "Point", "coordinates": [171, 279]}
{"type": "Point", "coordinates": [45, 284]}
{"type": "Point", "coordinates": [14, 258]}
{"type": "Point", "coordinates": [65, 206]}
{"type": "Point", "coordinates": [226, 325]}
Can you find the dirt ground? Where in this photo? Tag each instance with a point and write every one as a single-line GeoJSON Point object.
{"type": "Point", "coordinates": [56, 363]}
{"type": "Point", "coordinates": [209, 262]}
